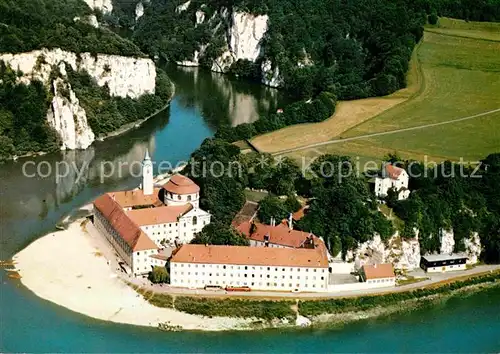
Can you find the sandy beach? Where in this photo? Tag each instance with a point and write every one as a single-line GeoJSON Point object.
{"type": "Point", "coordinates": [71, 269]}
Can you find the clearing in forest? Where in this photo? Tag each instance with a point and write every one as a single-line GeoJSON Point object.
{"type": "Point", "coordinates": [460, 76]}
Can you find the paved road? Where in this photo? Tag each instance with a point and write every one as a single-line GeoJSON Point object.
{"type": "Point", "coordinates": [336, 141]}
{"type": "Point", "coordinates": [434, 278]}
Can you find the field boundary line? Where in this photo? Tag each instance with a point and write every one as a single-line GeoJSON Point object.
{"type": "Point", "coordinates": [402, 130]}
{"type": "Point", "coordinates": [436, 31]}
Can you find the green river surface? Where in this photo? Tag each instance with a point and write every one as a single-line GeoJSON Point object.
{"type": "Point", "coordinates": [31, 206]}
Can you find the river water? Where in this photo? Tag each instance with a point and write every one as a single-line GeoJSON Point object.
{"type": "Point", "coordinates": [31, 206]}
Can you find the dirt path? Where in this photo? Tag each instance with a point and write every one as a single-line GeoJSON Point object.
{"type": "Point", "coordinates": [365, 136]}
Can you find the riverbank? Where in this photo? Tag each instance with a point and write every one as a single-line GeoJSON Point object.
{"type": "Point", "coordinates": [138, 122]}
{"type": "Point", "coordinates": [77, 269]}
{"type": "Point", "coordinates": [122, 130]}
{"type": "Point", "coordinates": [70, 268]}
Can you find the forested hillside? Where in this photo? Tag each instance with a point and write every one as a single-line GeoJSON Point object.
{"type": "Point", "coordinates": [25, 98]}
{"type": "Point", "coordinates": [357, 48]}
{"type": "Point", "coordinates": [354, 49]}
{"type": "Point", "coordinates": [26, 25]}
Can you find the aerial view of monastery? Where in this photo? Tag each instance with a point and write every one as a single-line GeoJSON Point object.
{"type": "Point", "coordinates": [191, 175]}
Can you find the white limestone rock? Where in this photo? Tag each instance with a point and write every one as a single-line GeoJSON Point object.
{"type": "Point", "coordinates": [183, 7]}
{"type": "Point", "coordinates": [200, 17]}
{"type": "Point", "coordinates": [302, 321]}
{"type": "Point", "coordinates": [223, 63]}
{"type": "Point", "coordinates": [106, 6]}
{"type": "Point", "coordinates": [404, 254]}
{"type": "Point", "coordinates": [195, 61]}
{"type": "Point", "coordinates": [125, 76]}
{"type": "Point", "coordinates": [473, 248]}
{"type": "Point", "coordinates": [447, 241]}
{"type": "Point", "coordinates": [245, 38]}
{"type": "Point", "coordinates": [91, 20]}
{"type": "Point", "coordinates": [139, 10]}
{"type": "Point", "coordinates": [68, 118]}
{"type": "Point", "coordinates": [270, 76]}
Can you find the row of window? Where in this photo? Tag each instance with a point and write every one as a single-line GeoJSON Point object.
{"type": "Point", "coordinates": [385, 280]}
{"type": "Point", "coordinates": [268, 284]}
{"type": "Point", "coordinates": [245, 275]}
{"type": "Point", "coordinates": [217, 266]}
{"type": "Point", "coordinates": [110, 231]}
{"type": "Point", "coordinates": [171, 196]}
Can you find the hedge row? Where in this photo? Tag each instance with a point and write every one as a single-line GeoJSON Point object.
{"type": "Point", "coordinates": [235, 307]}
{"type": "Point", "coordinates": [361, 303]}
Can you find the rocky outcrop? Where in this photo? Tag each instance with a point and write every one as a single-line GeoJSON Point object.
{"type": "Point", "coordinates": [91, 20]}
{"type": "Point", "coordinates": [473, 248]}
{"type": "Point", "coordinates": [124, 76]}
{"type": "Point", "coordinates": [68, 117]}
{"type": "Point", "coordinates": [270, 76]}
{"type": "Point", "coordinates": [245, 36]}
{"type": "Point", "coordinates": [106, 6]}
{"type": "Point", "coordinates": [139, 10]}
{"type": "Point", "coordinates": [405, 254]}
{"type": "Point", "coordinates": [243, 39]}
{"type": "Point", "coordinates": [447, 240]}
{"type": "Point", "coordinates": [183, 7]}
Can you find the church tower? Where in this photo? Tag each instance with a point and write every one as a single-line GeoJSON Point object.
{"type": "Point", "coordinates": [147, 175]}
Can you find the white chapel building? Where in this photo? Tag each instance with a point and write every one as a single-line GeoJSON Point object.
{"type": "Point", "coordinates": [140, 223]}
{"type": "Point", "coordinates": [392, 177]}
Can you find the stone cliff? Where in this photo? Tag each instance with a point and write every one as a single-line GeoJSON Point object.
{"type": "Point", "coordinates": [124, 77]}
{"type": "Point", "coordinates": [405, 253]}
{"type": "Point", "coordinates": [106, 6]}
{"type": "Point", "coordinates": [243, 38]}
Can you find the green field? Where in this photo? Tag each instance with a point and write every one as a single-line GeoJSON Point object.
{"type": "Point", "coordinates": [460, 64]}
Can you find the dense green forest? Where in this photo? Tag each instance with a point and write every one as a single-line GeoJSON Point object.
{"type": "Point", "coordinates": [26, 25]}
{"type": "Point", "coordinates": [23, 111]}
{"type": "Point", "coordinates": [357, 48]}
{"type": "Point", "coordinates": [344, 210]}
{"type": "Point", "coordinates": [454, 196]}
{"type": "Point", "coordinates": [105, 113]}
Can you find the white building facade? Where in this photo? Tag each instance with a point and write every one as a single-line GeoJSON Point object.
{"type": "Point", "coordinates": [267, 269]}
{"type": "Point", "coordinates": [392, 177]}
{"type": "Point", "coordinates": [378, 275]}
{"type": "Point", "coordinates": [438, 263]}
{"type": "Point", "coordinates": [141, 222]}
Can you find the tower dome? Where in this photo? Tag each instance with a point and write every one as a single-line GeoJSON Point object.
{"type": "Point", "coordinates": [181, 190]}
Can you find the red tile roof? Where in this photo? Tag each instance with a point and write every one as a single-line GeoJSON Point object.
{"type": "Point", "coordinates": [179, 184]}
{"type": "Point", "coordinates": [160, 215]}
{"type": "Point", "coordinates": [378, 271]}
{"type": "Point", "coordinates": [299, 214]}
{"type": "Point", "coordinates": [392, 171]}
{"type": "Point", "coordinates": [126, 228]}
{"type": "Point", "coordinates": [279, 235]}
{"type": "Point", "coordinates": [244, 255]}
{"type": "Point", "coordinates": [136, 197]}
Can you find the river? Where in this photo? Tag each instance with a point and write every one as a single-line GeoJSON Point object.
{"type": "Point", "coordinates": [31, 206]}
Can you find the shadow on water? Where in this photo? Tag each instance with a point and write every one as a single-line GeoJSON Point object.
{"type": "Point", "coordinates": [32, 199]}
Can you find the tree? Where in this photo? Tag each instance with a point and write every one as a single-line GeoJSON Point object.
{"type": "Point", "coordinates": [217, 233]}
{"type": "Point", "coordinates": [432, 19]}
{"type": "Point", "coordinates": [159, 275]}
{"type": "Point", "coordinates": [271, 207]}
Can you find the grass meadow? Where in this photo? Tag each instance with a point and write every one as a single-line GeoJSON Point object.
{"type": "Point", "coordinates": [455, 73]}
